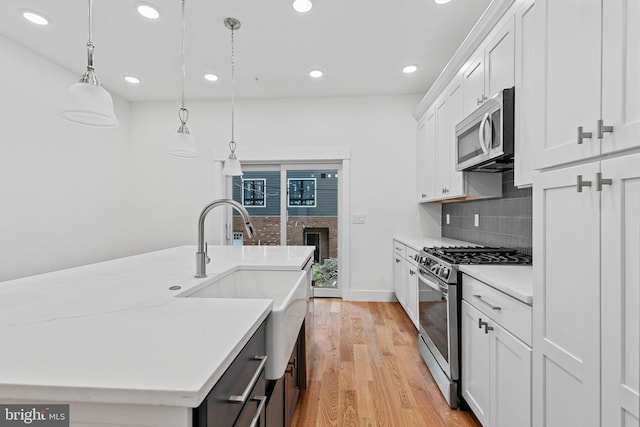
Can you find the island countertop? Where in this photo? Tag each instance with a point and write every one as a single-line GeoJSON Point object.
{"type": "Point", "coordinates": [113, 332]}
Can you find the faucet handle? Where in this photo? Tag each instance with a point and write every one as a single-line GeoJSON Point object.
{"type": "Point", "coordinates": [206, 253]}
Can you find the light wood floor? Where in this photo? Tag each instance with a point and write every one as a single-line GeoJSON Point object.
{"type": "Point", "coordinates": [366, 370]}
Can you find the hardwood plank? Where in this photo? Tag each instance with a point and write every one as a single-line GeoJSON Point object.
{"type": "Point", "coordinates": [367, 371]}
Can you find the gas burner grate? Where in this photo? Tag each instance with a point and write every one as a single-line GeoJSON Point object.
{"type": "Point", "coordinates": [479, 255]}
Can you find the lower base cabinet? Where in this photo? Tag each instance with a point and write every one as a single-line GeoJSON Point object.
{"type": "Point", "coordinates": [283, 393]}
{"type": "Point", "coordinates": [266, 403]}
{"type": "Point", "coordinates": [239, 396]}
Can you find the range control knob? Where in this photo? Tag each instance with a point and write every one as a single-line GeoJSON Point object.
{"type": "Point", "coordinates": [445, 273]}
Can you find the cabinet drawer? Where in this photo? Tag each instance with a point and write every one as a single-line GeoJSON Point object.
{"type": "Point", "coordinates": [399, 248]}
{"type": "Point", "coordinates": [217, 409]}
{"type": "Point", "coordinates": [411, 255]}
{"type": "Point", "coordinates": [508, 312]}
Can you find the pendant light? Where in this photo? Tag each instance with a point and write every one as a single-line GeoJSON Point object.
{"type": "Point", "coordinates": [182, 144]}
{"type": "Point", "coordinates": [232, 164]}
{"type": "Point", "coordinates": [89, 103]}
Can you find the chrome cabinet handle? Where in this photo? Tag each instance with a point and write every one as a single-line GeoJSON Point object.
{"type": "Point", "coordinates": [412, 273]}
{"type": "Point", "coordinates": [602, 129]}
{"type": "Point", "coordinates": [254, 379]}
{"type": "Point", "coordinates": [582, 134]}
{"type": "Point", "coordinates": [487, 328]}
{"type": "Point", "coordinates": [481, 323]}
{"type": "Point", "coordinates": [424, 195]}
{"type": "Point", "coordinates": [256, 417]}
{"type": "Point", "coordinates": [600, 181]}
{"type": "Point", "coordinates": [493, 307]}
{"type": "Point", "coordinates": [582, 183]}
{"type": "Point", "coordinates": [397, 260]}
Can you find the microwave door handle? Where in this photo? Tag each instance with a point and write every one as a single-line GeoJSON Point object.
{"type": "Point", "coordinates": [486, 119]}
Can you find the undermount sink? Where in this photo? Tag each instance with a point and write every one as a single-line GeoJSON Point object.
{"type": "Point", "coordinates": [287, 289]}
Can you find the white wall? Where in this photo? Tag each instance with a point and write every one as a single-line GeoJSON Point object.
{"type": "Point", "coordinates": [63, 198]}
{"type": "Point", "coordinates": [379, 131]}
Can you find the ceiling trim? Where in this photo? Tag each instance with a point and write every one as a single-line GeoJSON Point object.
{"type": "Point", "coordinates": [495, 11]}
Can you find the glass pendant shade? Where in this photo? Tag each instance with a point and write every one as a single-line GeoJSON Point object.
{"type": "Point", "coordinates": [232, 166]}
{"type": "Point", "coordinates": [182, 145]}
{"type": "Point", "coordinates": [90, 105]}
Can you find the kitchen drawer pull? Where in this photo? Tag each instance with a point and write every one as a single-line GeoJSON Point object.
{"type": "Point", "coordinates": [582, 183]}
{"type": "Point", "coordinates": [254, 379]}
{"type": "Point", "coordinates": [256, 417]}
{"type": "Point", "coordinates": [600, 181]}
{"type": "Point", "coordinates": [481, 323]}
{"type": "Point", "coordinates": [482, 300]}
{"type": "Point", "coordinates": [487, 328]}
{"type": "Point", "coordinates": [602, 129]}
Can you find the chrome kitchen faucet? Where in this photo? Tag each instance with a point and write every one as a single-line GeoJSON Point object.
{"type": "Point", "coordinates": [202, 259]}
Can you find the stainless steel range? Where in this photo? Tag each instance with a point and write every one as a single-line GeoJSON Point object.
{"type": "Point", "coordinates": [439, 307]}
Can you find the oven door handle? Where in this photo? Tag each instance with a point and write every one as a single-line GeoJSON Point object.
{"type": "Point", "coordinates": [428, 279]}
{"type": "Point", "coordinates": [483, 144]}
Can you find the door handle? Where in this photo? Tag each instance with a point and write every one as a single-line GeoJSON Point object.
{"type": "Point", "coordinates": [602, 129]}
{"type": "Point", "coordinates": [487, 328]}
{"type": "Point", "coordinates": [254, 379]}
{"type": "Point", "coordinates": [600, 181]}
{"type": "Point", "coordinates": [256, 417]}
{"type": "Point", "coordinates": [582, 135]}
{"type": "Point", "coordinates": [582, 183]}
{"type": "Point", "coordinates": [483, 143]}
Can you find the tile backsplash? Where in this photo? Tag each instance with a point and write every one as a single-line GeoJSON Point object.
{"type": "Point", "coordinates": [504, 222]}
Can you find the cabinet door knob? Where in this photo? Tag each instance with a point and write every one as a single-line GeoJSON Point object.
{"type": "Point", "coordinates": [487, 328]}
{"type": "Point", "coordinates": [481, 323]}
{"type": "Point", "coordinates": [602, 129]}
{"type": "Point", "coordinates": [582, 183]}
{"type": "Point", "coordinates": [600, 181]}
{"type": "Point", "coordinates": [582, 134]}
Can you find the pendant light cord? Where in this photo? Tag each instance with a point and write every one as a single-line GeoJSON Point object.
{"type": "Point", "coordinates": [233, 142]}
{"type": "Point", "coordinates": [182, 59]}
{"type": "Point", "coordinates": [89, 76]}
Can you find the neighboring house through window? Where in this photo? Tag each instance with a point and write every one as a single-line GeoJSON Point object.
{"type": "Point", "coordinates": [254, 193]}
{"type": "Point", "coordinates": [302, 192]}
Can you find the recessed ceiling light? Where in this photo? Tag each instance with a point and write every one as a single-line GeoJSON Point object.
{"type": "Point", "coordinates": [132, 79]}
{"type": "Point", "coordinates": [302, 6]}
{"type": "Point", "coordinates": [211, 77]}
{"type": "Point", "coordinates": [316, 73]}
{"type": "Point", "coordinates": [441, 1]}
{"type": "Point", "coordinates": [34, 18]}
{"type": "Point", "coordinates": [148, 12]}
{"type": "Point", "coordinates": [410, 69]}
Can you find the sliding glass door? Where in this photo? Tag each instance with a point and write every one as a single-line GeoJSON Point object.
{"type": "Point", "coordinates": [293, 204]}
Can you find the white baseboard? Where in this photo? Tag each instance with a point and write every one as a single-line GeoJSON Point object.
{"type": "Point", "coordinates": [373, 296]}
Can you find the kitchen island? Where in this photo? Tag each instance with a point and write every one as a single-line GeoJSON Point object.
{"type": "Point", "coordinates": [114, 341]}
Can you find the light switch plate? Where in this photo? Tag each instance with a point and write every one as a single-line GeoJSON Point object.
{"type": "Point", "coordinates": [476, 220]}
{"type": "Point", "coordinates": [358, 219]}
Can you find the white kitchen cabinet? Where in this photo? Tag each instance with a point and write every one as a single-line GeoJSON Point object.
{"type": "Point", "coordinates": [426, 156]}
{"type": "Point", "coordinates": [405, 279]}
{"type": "Point", "coordinates": [496, 358]}
{"type": "Point", "coordinates": [491, 69]}
{"type": "Point", "coordinates": [586, 358]}
{"type": "Point", "coordinates": [476, 360]}
{"type": "Point", "coordinates": [620, 306]}
{"type": "Point", "coordinates": [589, 58]}
{"type": "Point", "coordinates": [448, 113]}
{"type": "Point", "coordinates": [620, 71]}
{"type": "Point", "coordinates": [473, 76]}
{"type": "Point", "coordinates": [526, 94]}
{"type": "Point", "coordinates": [499, 60]}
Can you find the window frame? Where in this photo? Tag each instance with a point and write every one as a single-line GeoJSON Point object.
{"type": "Point", "coordinates": [315, 193]}
{"type": "Point", "coordinates": [264, 192]}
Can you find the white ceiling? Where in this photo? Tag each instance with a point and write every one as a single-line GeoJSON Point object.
{"type": "Point", "coordinates": [361, 45]}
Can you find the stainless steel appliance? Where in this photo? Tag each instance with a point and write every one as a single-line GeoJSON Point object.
{"type": "Point", "coordinates": [484, 139]}
{"type": "Point", "coordinates": [439, 307]}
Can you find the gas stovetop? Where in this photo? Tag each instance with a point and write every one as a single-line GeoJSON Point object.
{"type": "Point", "coordinates": [479, 255]}
{"type": "Point", "coordinates": [443, 261]}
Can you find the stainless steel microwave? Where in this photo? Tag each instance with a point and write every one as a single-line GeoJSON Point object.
{"type": "Point", "coordinates": [484, 139]}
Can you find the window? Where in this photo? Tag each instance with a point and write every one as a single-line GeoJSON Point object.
{"type": "Point", "coordinates": [302, 192]}
{"type": "Point", "coordinates": [253, 193]}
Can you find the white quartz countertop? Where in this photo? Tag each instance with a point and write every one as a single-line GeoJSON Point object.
{"type": "Point", "coordinates": [418, 242]}
{"type": "Point", "coordinates": [113, 332]}
{"type": "Point", "coordinates": [513, 280]}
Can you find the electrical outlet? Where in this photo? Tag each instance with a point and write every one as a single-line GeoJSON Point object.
{"type": "Point", "coordinates": [448, 218]}
{"type": "Point", "coordinates": [476, 220]}
{"type": "Point", "coordinates": [358, 219]}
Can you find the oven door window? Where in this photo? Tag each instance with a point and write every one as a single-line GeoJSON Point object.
{"type": "Point", "coordinates": [434, 312]}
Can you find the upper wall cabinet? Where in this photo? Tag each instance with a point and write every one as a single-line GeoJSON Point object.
{"type": "Point", "coordinates": [621, 74]}
{"type": "Point", "coordinates": [590, 93]}
{"type": "Point", "coordinates": [525, 81]}
{"type": "Point", "coordinates": [491, 69]}
{"type": "Point", "coordinates": [426, 159]}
